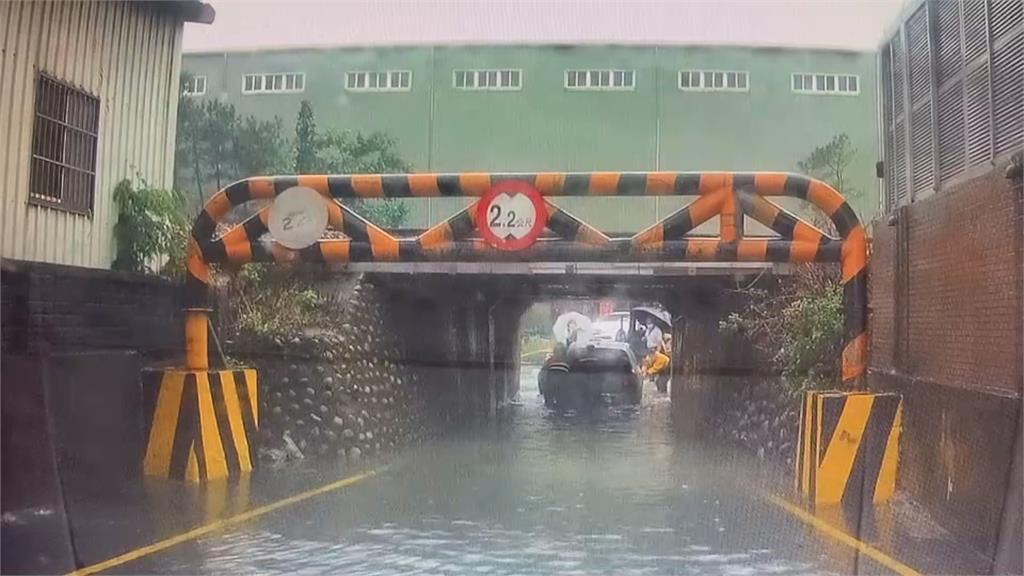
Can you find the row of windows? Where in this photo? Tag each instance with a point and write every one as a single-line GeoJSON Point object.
{"type": "Point", "coordinates": [512, 79]}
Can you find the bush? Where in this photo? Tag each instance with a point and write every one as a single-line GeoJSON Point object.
{"type": "Point", "coordinates": [150, 227]}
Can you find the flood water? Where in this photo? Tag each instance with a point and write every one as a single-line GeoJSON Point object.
{"type": "Point", "coordinates": [611, 491]}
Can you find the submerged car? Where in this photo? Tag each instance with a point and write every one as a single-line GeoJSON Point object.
{"type": "Point", "coordinates": [590, 374]}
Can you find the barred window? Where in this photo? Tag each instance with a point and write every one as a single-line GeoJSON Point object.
{"type": "Point", "coordinates": [194, 86]}
{"type": "Point", "coordinates": [600, 79]}
{"type": "Point", "coordinates": [273, 83]}
{"type": "Point", "coordinates": [504, 79]}
{"type": "Point", "coordinates": [383, 81]}
{"type": "Point", "coordinates": [713, 81]}
{"type": "Point", "coordinates": [64, 139]}
{"type": "Point", "coordinates": [845, 84]}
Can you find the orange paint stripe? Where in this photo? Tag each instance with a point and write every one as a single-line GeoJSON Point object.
{"type": "Point", "coordinates": [261, 188]}
{"type": "Point", "coordinates": [712, 181]}
{"type": "Point", "coordinates": [805, 233]}
{"type": "Point", "coordinates": [770, 183]}
{"type": "Point", "coordinates": [236, 234]}
{"type": "Point", "coordinates": [549, 183]}
{"type": "Point", "coordinates": [335, 250]}
{"type": "Point", "coordinates": [239, 251]}
{"type": "Point", "coordinates": [652, 237]}
{"type": "Point", "coordinates": [824, 197]}
{"type": "Point", "coordinates": [475, 184]}
{"type": "Point", "coordinates": [335, 216]}
{"type": "Point", "coordinates": [763, 211]}
{"type": "Point", "coordinates": [751, 250]}
{"type": "Point", "coordinates": [660, 183]}
{"type": "Point", "coordinates": [368, 185]}
{"type": "Point", "coordinates": [701, 249]}
{"type": "Point", "coordinates": [592, 236]}
{"type": "Point", "coordinates": [705, 207]}
{"type": "Point", "coordinates": [854, 253]}
{"type": "Point", "coordinates": [604, 183]}
{"type": "Point", "coordinates": [854, 355]}
{"type": "Point", "coordinates": [803, 251]}
{"type": "Point", "coordinates": [195, 264]}
{"type": "Point", "coordinates": [423, 185]}
{"type": "Point", "coordinates": [437, 237]}
{"type": "Point", "coordinates": [727, 222]}
{"type": "Point", "coordinates": [317, 182]}
{"type": "Point", "coordinates": [218, 206]}
{"type": "Point", "coordinates": [383, 245]}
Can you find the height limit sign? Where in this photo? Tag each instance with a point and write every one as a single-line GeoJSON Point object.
{"type": "Point", "coordinates": [511, 215]}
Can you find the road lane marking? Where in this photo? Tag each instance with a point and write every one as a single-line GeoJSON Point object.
{"type": "Point", "coordinates": [195, 533]}
{"type": "Point", "coordinates": [840, 536]}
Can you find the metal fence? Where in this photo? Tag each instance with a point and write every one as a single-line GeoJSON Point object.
{"type": "Point", "coordinates": [952, 79]}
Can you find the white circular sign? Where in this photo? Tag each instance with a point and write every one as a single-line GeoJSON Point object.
{"type": "Point", "coordinates": [298, 217]}
{"type": "Point", "coordinates": [511, 216]}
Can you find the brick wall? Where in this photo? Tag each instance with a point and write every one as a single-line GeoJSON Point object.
{"type": "Point", "coordinates": [961, 280]}
{"type": "Point", "coordinates": [71, 309]}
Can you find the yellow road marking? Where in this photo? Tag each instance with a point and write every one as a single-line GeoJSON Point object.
{"type": "Point", "coordinates": [840, 536]}
{"type": "Point", "coordinates": [220, 524]}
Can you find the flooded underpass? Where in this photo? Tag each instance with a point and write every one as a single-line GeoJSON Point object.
{"type": "Point", "coordinates": [610, 490]}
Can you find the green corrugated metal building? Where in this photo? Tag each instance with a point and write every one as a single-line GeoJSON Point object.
{"type": "Point", "coordinates": [531, 108]}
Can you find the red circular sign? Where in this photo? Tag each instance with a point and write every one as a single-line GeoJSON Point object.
{"type": "Point", "coordinates": [511, 215]}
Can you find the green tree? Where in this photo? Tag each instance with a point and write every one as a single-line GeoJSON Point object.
{"type": "Point", "coordinates": [150, 224]}
{"type": "Point", "coordinates": [305, 140]}
{"type": "Point", "coordinates": [831, 163]}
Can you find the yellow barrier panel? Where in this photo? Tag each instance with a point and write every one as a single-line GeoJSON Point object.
{"type": "Point", "coordinates": [848, 446]}
{"type": "Point", "coordinates": [200, 425]}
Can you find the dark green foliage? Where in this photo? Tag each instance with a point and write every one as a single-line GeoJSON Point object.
{"type": "Point", "coordinates": [150, 225]}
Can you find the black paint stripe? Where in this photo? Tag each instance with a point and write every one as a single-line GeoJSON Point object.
{"type": "Point", "coordinates": [448, 185]}
{"type": "Point", "coordinates": [248, 418]}
{"type": "Point", "coordinates": [797, 186]}
{"type": "Point", "coordinates": [461, 225]}
{"type": "Point", "coordinates": [395, 186]}
{"type": "Point", "coordinates": [238, 192]}
{"type": "Point", "coordinates": [832, 409]}
{"type": "Point", "coordinates": [152, 381]}
{"type": "Point", "coordinates": [282, 183]}
{"type": "Point", "coordinates": [872, 446]}
{"type": "Point", "coordinates": [854, 303]}
{"type": "Point", "coordinates": [829, 251]}
{"type": "Point", "coordinates": [220, 412]}
{"type": "Point", "coordinates": [813, 452]}
{"type": "Point", "coordinates": [261, 252]}
{"type": "Point", "coordinates": [783, 224]}
{"type": "Point", "coordinates": [254, 228]}
{"type": "Point", "coordinates": [845, 219]}
{"type": "Point", "coordinates": [312, 253]}
{"type": "Point", "coordinates": [214, 251]}
{"type": "Point", "coordinates": [576, 184]}
{"type": "Point", "coordinates": [410, 251]}
{"type": "Point", "coordinates": [204, 227]}
{"type": "Point", "coordinates": [726, 251]}
{"type": "Point", "coordinates": [185, 429]}
{"type": "Point", "coordinates": [743, 181]}
{"type": "Point", "coordinates": [777, 251]}
{"type": "Point", "coordinates": [354, 227]}
{"type": "Point", "coordinates": [564, 225]}
{"type": "Point", "coordinates": [687, 184]}
{"type": "Point", "coordinates": [632, 184]}
{"type": "Point", "coordinates": [360, 252]}
{"type": "Point", "coordinates": [340, 186]}
{"type": "Point", "coordinates": [678, 223]}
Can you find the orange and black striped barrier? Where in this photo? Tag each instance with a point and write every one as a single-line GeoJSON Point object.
{"type": "Point", "coordinates": [848, 447]}
{"type": "Point", "coordinates": [729, 195]}
{"type": "Point", "coordinates": [200, 425]}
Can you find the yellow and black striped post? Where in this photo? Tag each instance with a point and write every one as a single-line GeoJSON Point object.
{"type": "Point", "coordinates": [200, 425]}
{"type": "Point", "coordinates": [848, 447]}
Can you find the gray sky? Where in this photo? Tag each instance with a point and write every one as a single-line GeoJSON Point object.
{"type": "Point", "coordinates": [852, 24]}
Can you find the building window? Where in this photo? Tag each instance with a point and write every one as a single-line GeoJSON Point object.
{"type": "Point", "coordinates": [504, 79]}
{"type": "Point", "coordinates": [194, 86]}
{"type": "Point", "coordinates": [386, 81]}
{"type": "Point", "coordinates": [713, 81]}
{"type": "Point", "coordinates": [600, 79]}
{"type": "Point", "coordinates": [281, 83]}
{"type": "Point", "coordinates": [64, 141]}
{"type": "Point", "coordinates": [846, 84]}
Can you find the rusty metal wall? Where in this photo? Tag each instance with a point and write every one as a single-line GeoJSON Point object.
{"type": "Point", "coordinates": [127, 54]}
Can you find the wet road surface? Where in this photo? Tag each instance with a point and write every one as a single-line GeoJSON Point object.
{"type": "Point", "coordinates": [610, 491]}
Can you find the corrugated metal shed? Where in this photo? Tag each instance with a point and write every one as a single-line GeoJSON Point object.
{"type": "Point", "coordinates": [126, 54]}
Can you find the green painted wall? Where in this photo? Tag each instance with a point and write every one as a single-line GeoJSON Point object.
{"type": "Point", "coordinates": [543, 126]}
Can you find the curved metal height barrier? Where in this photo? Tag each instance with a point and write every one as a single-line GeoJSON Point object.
{"type": "Point", "coordinates": [730, 195]}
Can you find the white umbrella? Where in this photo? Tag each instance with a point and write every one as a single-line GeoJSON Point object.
{"type": "Point", "coordinates": [572, 323]}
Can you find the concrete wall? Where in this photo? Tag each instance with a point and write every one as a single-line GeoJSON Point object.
{"type": "Point", "coordinates": [127, 55]}
{"type": "Point", "coordinates": [945, 291]}
{"type": "Point", "coordinates": [71, 309]}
